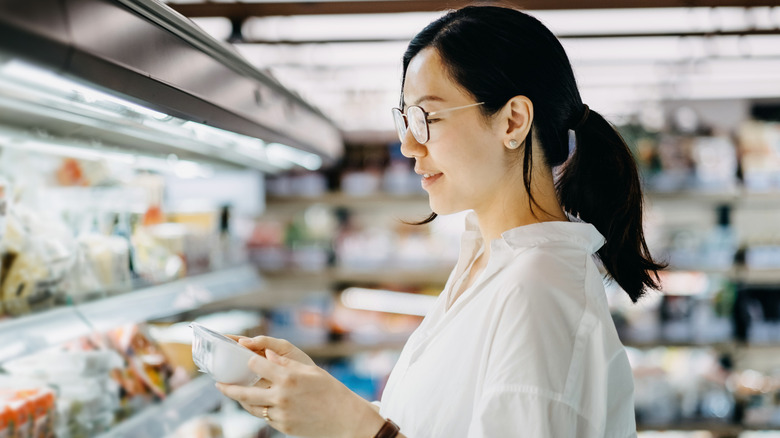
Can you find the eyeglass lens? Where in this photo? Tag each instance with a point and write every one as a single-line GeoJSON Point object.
{"type": "Point", "coordinates": [400, 124]}
{"type": "Point", "coordinates": [417, 123]}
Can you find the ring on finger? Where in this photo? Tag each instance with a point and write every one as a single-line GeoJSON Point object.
{"type": "Point", "coordinates": [265, 413]}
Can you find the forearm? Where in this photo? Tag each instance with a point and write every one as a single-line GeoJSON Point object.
{"type": "Point", "coordinates": [370, 422]}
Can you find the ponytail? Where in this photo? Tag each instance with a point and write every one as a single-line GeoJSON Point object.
{"type": "Point", "coordinates": [600, 184]}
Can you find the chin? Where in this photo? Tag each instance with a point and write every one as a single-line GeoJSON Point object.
{"type": "Point", "coordinates": [443, 208]}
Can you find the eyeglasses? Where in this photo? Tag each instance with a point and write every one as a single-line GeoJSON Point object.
{"type": "Point", "coordinates": [418, 121]}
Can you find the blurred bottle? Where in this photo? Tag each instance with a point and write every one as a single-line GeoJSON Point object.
{"type": "Point", "coordinates": [720, 246]}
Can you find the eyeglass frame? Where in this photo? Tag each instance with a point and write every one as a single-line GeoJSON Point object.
{"type": "Point", "coordinates": [426, 115]}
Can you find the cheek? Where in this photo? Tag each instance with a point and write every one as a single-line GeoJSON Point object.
{"type": "Point", "coordinates": [473, 154]}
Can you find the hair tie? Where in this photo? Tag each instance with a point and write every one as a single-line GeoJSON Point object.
{"type": "Point", "coordinates": [585, 114]}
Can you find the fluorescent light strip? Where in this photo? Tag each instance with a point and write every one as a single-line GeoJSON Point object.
{"type": "Point", "coordinates": [63, 148]}
{"type": "Point", "coordinates": [51, 92]}
{"type": "Point", "coordinates": [561, 22]}
{"type": "Point", "coordinates": [387, 301]}
{"type": "Point", "coordinates": [285, 156]}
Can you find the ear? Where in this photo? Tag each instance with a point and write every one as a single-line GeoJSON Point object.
{"type": "Point", "coordinates": [518, 115]}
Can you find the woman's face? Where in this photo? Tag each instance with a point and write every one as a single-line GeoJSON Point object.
{"type": "Point", "coordinates": [465, 157]}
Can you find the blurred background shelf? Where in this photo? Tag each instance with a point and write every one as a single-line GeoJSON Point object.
{"type": "Point", "coordinates": [739, 196]}
{"type": "Point", "coordinates": [197, 397]}
{"type": "Point", "coordinates": [725, 346]}
{"type": "Point", "coordinates": [736, 273]}
{"type": "Point", "coordinates": [27, 334]}
{"type": "Point", "coordinates": [172, 298]}
{"type": "Point", "coordinates": [345, 349]}
{"type": "Point", "coordinates": [342, 199]}
{"type": "Point", "coordinates": [716, 429]}
{"type": "Point", "coordinates": [390, 275]}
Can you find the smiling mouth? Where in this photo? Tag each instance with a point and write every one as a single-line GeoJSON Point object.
{"type": "Point", "coordinates": [430, 175]}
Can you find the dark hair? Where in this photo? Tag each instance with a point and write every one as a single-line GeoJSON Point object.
{"type": "Point", "coordinates": [497, 53]}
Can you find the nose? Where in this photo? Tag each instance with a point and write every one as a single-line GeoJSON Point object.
{"type": "Point", "coordinates": [411, 148]}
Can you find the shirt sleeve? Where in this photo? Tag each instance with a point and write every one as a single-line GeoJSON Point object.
{"type": "Point", "coordinates": [518, 411]}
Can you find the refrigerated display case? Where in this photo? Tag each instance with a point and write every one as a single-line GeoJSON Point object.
{"type": "Point", "coordinates": [106, 107]}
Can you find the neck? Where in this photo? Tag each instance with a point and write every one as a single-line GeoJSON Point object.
{"type": "Point", "coordinates": [511, 209]}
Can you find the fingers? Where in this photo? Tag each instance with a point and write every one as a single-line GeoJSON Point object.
{"type": "Point", "coordinates": [236, 338]}
{"type": "Point", "coordinates": [266, 369]}
{"type": "Point", "coordinates": [264, 342]}
{"type": "Point", "coordinates": [246, 395]}
{"type": "Point", "coordinates": [275, 358]}
{"type": "Point", "coordinates": [263, 383]}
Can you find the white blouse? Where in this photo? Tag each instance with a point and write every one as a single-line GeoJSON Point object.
{"type": "Point", "coordinates": [529, 350]}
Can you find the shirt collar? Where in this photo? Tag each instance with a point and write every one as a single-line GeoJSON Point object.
{"type": "Point", "coordinates": [582, 234]}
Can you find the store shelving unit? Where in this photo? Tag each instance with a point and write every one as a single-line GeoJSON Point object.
{"type": "Point", "coordinates": [740, 196]}
{"type": "Point", "coordinates": [347, 200]}
{"type": "Point", "coordinates": [197, 397]}
{"type": "Point", "coordinates": [434, 275]}
{"type": "Point", "coordinates": [718, 430]}
{"type": "Point", "coordinates": [28, 334]}
{"type": "Point", "coordinates": [350, 201]}
{"type": "Point", "coordinates": [347, 348]}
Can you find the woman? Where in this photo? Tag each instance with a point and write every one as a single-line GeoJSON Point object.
{"type": "Point", "coordinates": [520, 342]}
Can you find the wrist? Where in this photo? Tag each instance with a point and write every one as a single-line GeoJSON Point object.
{"type": "Point", "coordinates": [369, 421]}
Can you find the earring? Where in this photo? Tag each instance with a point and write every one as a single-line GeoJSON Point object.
{"type": "Point", "coordinates": [513, 144]}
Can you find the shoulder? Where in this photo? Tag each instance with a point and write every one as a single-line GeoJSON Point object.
{"type": "Point", "coordinates": [541, 303]}
{"type": "Point", "coordinates": [544, 277]}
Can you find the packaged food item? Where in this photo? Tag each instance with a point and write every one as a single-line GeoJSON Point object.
{"type": "Point", "coordinates": [84, 173]}
{"type": "Point", "coordinates": [86, 398]}
{"type": "Point", "coordinates": [21, 415]}
{"type": "Point", "coordinates": [3, 208]}
{"type": "Point", "coordinates": [148, 372]}
{"type": "Point", "coordinates": [109, 260]}
{"type": "Point", "coordinates": [42, 411]}
{"type": "Point", "coordinates": [221, 357]}
{"type": "Point", "coordinates": [36, 256]}
{"type": "Point", "coordinates": [199, 427]}
{"type": "Point", "coordinates": [6, 422]}
{"type": "Point", "coordinates": [153, 258]}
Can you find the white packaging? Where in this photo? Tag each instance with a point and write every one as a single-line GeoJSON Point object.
{"type": "Point", "coordinates": [221, 357]}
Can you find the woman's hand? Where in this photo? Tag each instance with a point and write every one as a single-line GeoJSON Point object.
{"type": "Point", "coordinates": [304, 400]}
{"type": "Point", "coordinates": [284, 348]}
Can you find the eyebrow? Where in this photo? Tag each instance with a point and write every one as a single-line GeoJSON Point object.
{"type": "Point", "coordinates": [427, 97]}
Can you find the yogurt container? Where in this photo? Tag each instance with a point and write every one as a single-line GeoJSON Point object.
{"type": "Point", "coordinates": [221, 357]}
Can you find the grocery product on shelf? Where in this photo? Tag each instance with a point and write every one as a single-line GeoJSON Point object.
{"type": "Point", "coordinates": [323, 235]}
{"type": "Point", "coordinates": [148, 375]}
{"type": "Point", "coordinates": [37, 255]}
{"type": "Point", "coordinates": [75, 230]}
{"type": "Point", "coordinates": [692, 307]}
{"type": "Point", "coordinates": [27, 412]}
{"type": "Point", "coordinates": [760, 155]}
{"type": "Point", "coordinates": [230, 421]}
{"type": "Point", "coordinates": [681, 386]}
{"type": "Point", "coordinates": [759, 393]}
{"type": "Point", "coordinates": [757, 315]}
{"type": "Point", "coordinates": [305, 322]}
{"type": "Point", "coordinates": [86, 396]}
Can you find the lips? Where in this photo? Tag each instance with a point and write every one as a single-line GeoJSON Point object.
{"type": "Point", "coordinates": [429, 178]}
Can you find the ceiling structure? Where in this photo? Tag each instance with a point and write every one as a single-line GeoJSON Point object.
{"type": "Point", "coordinates": [629, 57]}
